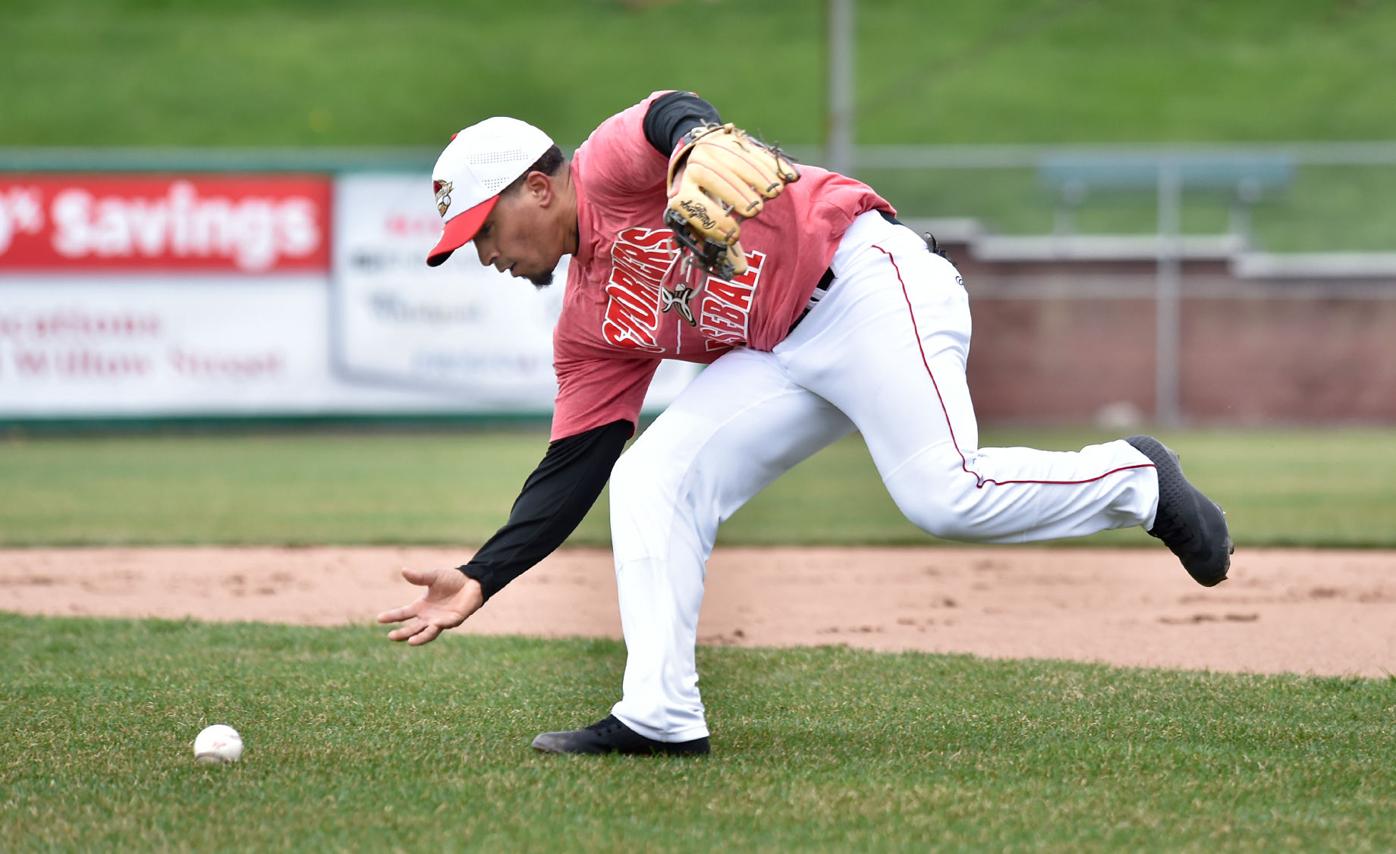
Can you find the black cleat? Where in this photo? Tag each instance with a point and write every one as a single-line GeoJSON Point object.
{"type": "Point", "coordinates": [1189, 523]}
{"type": "Point", "coordinates": [612, 736]}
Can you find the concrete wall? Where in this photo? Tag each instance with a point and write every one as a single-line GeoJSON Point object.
{"type": "Point", "coordinates": [1073, 342]}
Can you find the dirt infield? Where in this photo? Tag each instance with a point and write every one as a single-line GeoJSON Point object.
{"type": "Point", "coordinates": [1302, 611]}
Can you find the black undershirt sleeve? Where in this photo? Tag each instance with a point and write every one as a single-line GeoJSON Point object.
{"type": "Point", "coordinates": [673, 115]}
{"type": "Point", "coordinates": [554, 500]}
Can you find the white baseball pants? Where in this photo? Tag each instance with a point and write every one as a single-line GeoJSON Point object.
{"type": "Point", "coordinates": [884, 353]}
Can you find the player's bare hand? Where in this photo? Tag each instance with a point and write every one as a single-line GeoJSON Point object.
{"type": "Point", "coordinates": [450, 598]}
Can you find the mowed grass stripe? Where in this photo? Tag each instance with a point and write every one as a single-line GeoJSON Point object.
{"type": "Point", "coordinates": [353, 742]}
{"type": "Point", "coordinates": [1279, 487]}
{"type": "Point", "coordinates": [216, 72]}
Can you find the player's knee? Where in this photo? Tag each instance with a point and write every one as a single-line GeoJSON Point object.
{"type": "Point", "coordinates": [639, 481]}
{"type": "Point", "coordinates": [938, 512]}
{"type": "Point", "coordinates": [628, 477]}
{"type": "Point", "coordinates": [934, 520]}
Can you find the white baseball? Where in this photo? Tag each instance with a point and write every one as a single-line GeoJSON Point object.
{"type": "Point", "coordinates": [217, 744]}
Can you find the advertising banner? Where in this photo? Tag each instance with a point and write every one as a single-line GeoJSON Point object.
{"type": "Point", "coordinates": [197, 223]}
{"type": "Point", "coordinates": [155, 295]}
{"type": "Point", "coordinates": [481, 336]}
{"type": "Point", "coordinates": [84, 346]}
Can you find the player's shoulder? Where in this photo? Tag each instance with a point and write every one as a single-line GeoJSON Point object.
{"type": "Point", "coordinates": [627, 120]}
{"type": "Point", "coordinates": [617, 160]}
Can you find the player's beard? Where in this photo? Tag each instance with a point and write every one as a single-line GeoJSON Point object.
{"type": "Point", "coordinates": [542, 280]}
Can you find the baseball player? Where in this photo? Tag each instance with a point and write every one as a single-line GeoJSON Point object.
{"type": "Point", "coordinates": [817, 313]}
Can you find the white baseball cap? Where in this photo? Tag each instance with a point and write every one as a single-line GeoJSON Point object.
{"type": "Point", "coordinates": [479, 162]}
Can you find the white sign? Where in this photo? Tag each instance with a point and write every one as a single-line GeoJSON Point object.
{"type": "Point", "coordinates": [462, 329]}
{"type": "Point", "coordinates": [103, 346]}
{"type": "Point", "coordinates": [90, 345]}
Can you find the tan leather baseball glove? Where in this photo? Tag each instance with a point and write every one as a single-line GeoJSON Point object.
{"type": "Point", "coordinates": [719, 176]}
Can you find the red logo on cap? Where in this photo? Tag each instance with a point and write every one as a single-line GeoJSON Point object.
{"type": "Point", "coordinates": [443, 195]}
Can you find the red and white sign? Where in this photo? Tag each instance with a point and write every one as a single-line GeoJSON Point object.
{"type": "Point", "coordinates": [209, 223]}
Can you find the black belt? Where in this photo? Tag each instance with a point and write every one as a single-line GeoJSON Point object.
{"type": "Point", "coordinates": [826, 281]}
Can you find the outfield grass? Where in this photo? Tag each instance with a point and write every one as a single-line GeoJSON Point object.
{"type": "Point", "coordinates": [1280, 488]}
{"type": "Point", "coordinates": [358, 72]}
{"type": "Point", "coordinates": [353, 742]}
{"type": "Point", "coordinates": [362, 73]}
{"type": "Point", "coordinates": [1324, 209]}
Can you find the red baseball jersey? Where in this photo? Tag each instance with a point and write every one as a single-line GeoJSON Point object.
{"type": "Point", "coordinates": [623, 311]}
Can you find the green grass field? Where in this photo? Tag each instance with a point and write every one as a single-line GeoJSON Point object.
{"type": "Point", "coordinates": [356, 72]}
{"type": "Point", "coordinates": [1280, 487]}
{"type": "Point", "coordinates": [306, 73]}
{"type": "Point", "coordinates": [354, 743]}
{"type": "Point", "coordinates": [1324, 208]}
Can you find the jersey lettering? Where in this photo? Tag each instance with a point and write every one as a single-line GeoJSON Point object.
{"type": "Point", "coordinates": [630, 321]}
{"type": "Point", "coordinates": [639, 259]}
{"type": "Point", "coordinates": [649, 253]}
{"type": "Point", "coordinates": [726, 308]}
